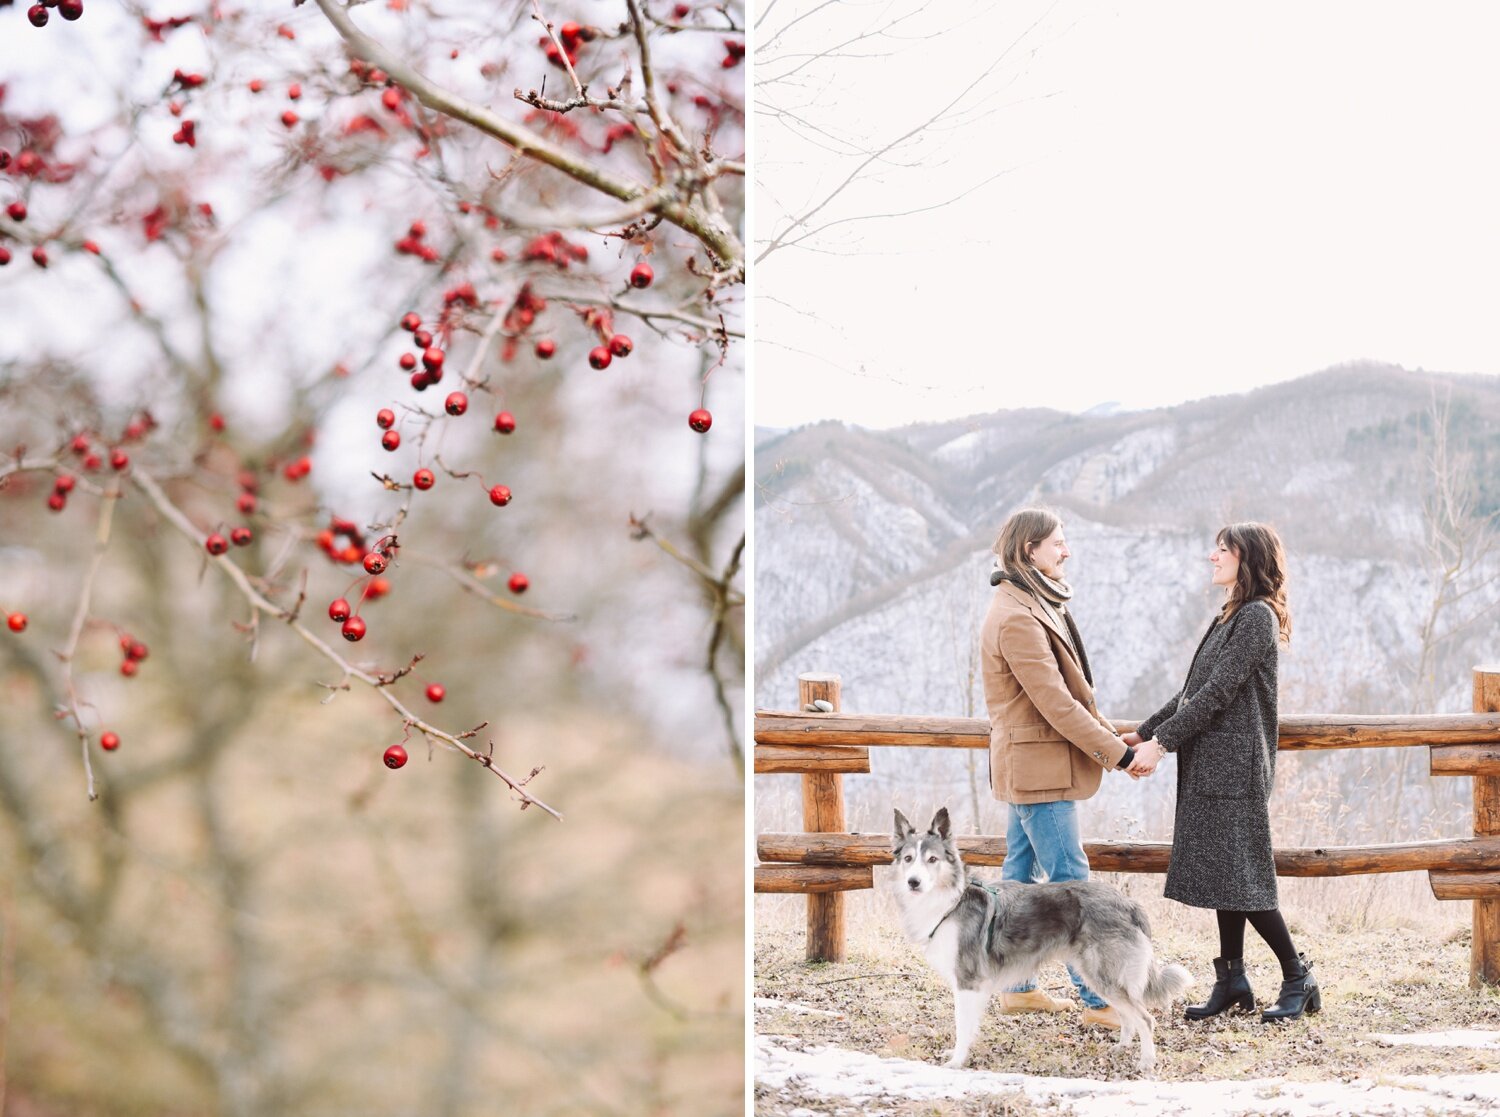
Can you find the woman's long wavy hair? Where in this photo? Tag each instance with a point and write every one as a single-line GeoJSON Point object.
{"type": "Point", "coordinates": [1262, 572]}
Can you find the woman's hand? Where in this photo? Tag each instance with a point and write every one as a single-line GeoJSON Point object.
{"type": "Point", "coordinates": [1132, 738]}
{"type": "Point", "coordinates": [1147, 757]}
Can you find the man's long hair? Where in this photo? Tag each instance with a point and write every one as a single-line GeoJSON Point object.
{"type": "Point", "coordinates": [1262, 572]}
{"type": "Point", "coordinates": [1023, 530]}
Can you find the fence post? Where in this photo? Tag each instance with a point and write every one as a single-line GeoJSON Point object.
{"type": "Point", "coordinates": [823, 813]}
{"type": "Point", "coordinates": [1484, 963]}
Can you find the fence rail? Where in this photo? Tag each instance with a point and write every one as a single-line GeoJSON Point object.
{"type": "Point", "coordinates": [826, 862]}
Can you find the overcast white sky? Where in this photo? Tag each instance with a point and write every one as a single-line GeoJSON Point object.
{"type": "Point", "coordinates": [1197, 199]}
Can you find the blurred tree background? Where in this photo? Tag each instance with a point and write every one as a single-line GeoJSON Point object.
{"type": "Point", "coordinates": [215, 218]}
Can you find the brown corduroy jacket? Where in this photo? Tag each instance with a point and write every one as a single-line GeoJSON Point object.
{"type": "Point", "coordinates": [1048, 740]}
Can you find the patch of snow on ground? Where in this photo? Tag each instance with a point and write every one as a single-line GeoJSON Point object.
{"type": "Point", "coordinates": [1460, 1038]}
{"type": "Point", "coordinates": [793, 1006]}
{"type": "Point", "coordinates": [870, 1080]}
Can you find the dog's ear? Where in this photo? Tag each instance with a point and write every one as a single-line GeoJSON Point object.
{"type": "Point", "coordinates": [904, 829]}
{"type": "Point", "coordinates": [940, 824]}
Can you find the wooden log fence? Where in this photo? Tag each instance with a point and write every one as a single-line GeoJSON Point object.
{"type": "Point", "coordinates": [822, 744]}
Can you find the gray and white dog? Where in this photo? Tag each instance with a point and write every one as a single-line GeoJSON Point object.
{"type": "Point", "coordinates": [984, 938]}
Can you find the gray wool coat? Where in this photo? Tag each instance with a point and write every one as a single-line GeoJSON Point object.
{"type": "Point", "coordinates": [1223, 727]}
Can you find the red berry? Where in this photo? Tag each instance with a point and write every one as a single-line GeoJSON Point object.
{"type": "Point", "coordinates": [436, 692]}
{"type": "Point", "coordinates": [418, 230]}
{"type": "Point", "coordinates": [432, 358]}
{"type": "Point", "coordinates": [39, 256]}
{"type": "Point", "coordinates": [421, 338]}
{"type": "Point", "coordinates": [119, 459]}
{"type": "Point", "coordinates": [569, 33]}
{"type": "Point", "coordinates": [216, 423]}
{"type": "Point", "coordinates": [57, 501]}
{"type": "Point", "coordinates": [408, 361]}
{"type": "Point", "coordinates": [90, 246]}
{"type": "Point", "coordinates": [92, 461]}
{"type": "Point", "coordinates": [423, 479]}
{"type": "Point", "coordinates": [599, 357]}
{"type": "Point", "coordinates": [456, 403]}
{"type": "Point", "coordinates": [354, 629]}
{"type": "Point", "coordinates": [641, 275]}
{"type": "Point", "coordinates": [137, 650]}
{"type": "Point", "coordinates": [500, 496]}
{"type": "Point", "coordinates": [109, 742]}
{"type": "Point", "coordinates": [391, 99]}
{"type": "Point", "coordinates": [241, 536]}
{"type": "Point", "coordinates": [505, 422]}
{"type": "Point", "coordinates": [681, 11]}
{"type": "Point", "coordinates": [216, 544]}
{"type": "Point", "coordinates": [420, 381]}
{"type": "Point", "coordinates": [70, 9]}
{"type": "Point", "coordinates": [16, 211]}
{"type": "Point", "coordinates": [294, 92]}
{"type": "Point", "coordinates": [64, 483]}
{"type": "Point", "coordinates": [410, 321]}
{"type": "Point", "coordinates": [80, 444]}
{"type": "Point", "coordinates": [395, 757]}
{"type": "Point", "coordinates": [374, 563]}
{"type": "Point", "coordinates": [338, 610]}
{"type": "Point", "coordinates": [385, 418]}
{"type": "Point", "coordinates": [700, 420]}
{"type": "Point", "coordinates": [38, 15]}
{"type": "Point", "coordinates": [129, 667]}
{"type": "Point", "coordinates": [4, 255]}
{"type": "Point", "coordinates": [545, 347]}
{"type": "Point", "coordinates": [390, 439]}
{"type": "Point", "coordinates": [256, 85]}
{"type": "Point", "coordinates": [16, 622]}
{"type": "Point", "coordinates": [620, 345]}
{"type": "Point", "coordinates": [289, 118]}
{"type": "Point", "coordinates": [245, 502]}
{"type": "Point", "coordinates": [377, 587]}
{"type": "Point", "coordinates": [519, 582]}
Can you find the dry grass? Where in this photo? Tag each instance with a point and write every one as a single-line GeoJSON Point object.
{"type": "Point", "coordinates": [1403, 976]}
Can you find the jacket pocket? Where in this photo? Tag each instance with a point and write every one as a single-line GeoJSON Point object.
{"type": "Point", "coordinates": [1040, 765]}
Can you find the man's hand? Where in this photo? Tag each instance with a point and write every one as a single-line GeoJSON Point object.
{"type": "Point", "coordinates": [1132, 738]}
{"type": "Point", "coordinates": [1147, 757]}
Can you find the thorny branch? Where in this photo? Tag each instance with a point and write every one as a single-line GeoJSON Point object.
{"type": "Point", "coordinates": [175, 516]}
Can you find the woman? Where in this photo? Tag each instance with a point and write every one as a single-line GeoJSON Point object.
{"type": "Point", "coordinates": [1223, 727]}
{"type": "Point", "coordinates": [1049, 745]}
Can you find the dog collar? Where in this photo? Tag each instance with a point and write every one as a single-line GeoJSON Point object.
{"type": "Point", "coordinates": [946, 914]}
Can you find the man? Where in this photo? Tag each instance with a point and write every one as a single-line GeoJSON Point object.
{"type": "Point", "coordinates": [1049, 745]}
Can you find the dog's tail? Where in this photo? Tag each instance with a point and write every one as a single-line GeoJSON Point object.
{"type": "Point", "coordinates": [1165, 984]}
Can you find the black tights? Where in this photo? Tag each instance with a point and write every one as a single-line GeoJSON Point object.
{"type": "Point", "coordinates": [1269, 925]}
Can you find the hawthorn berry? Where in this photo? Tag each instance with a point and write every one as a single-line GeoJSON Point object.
{"type": "Point", "coordinates": [118, 460]}
{"type": "Point", "coordinates": [432, 358]}
{"type": "Point", "coordinates": [38, 14]}
{"type": "Point", "coordinates": [420, 382]}
{"type": "Point", "coordinates": [377, 588]}
{"type": "Point", "coordinates": [137, 650]}
{"type": "Point", "coordinates": [641, 275]}
{"type": "Point", "coordinates": [456, 403]}
{"type": "Point", "coordinates": [500, 496]}
{"type": "Point", "coordinates": [294, 92]}
{"type": "Point", "coordinates": [216, 423]}
{"type": "Point", "coordinates": [391, 99]}
{"type": "Point", "coordinates": [109, 741]}
{"type": "Point", "coordinates": [421, 338]}
{"type": "Point", "coordinates": [545, 347]}
{"type": "Point", "coordinates": [216, 544]}
{"type": "Point", "coordinates": [410, 321]}
{"type": "Point", "coordinates": [518, 582]}
{"type": "Point", "coordinates": [391, 439]}
{"type": "Point", "coordinates": [374, 563]}
{"type": "Point", "coordinates": [700, 420]}
{"type": "Point", "coordinates": [418, 230]}
{"type": "Point", "coordinates": [354, 629]}
{"type": "Point", "coordinates": [599, 357]}
{"type": "Point", "coordinates": [385, 418]}
{"type": "Point", "coordinates": [241, 536]}
{"type": "Point", "coordinates": [289, 118]}
{"type": "Point", "coordinates": [505, 422]}
{"type": "Point", "coordinates": [92, 461]}
{"type": "Point", "coordinates": [39, 256]}
{"type": "Point", "coordinates": [256, 85]}
{"type": "Point", "coordinates": [64, 483]}
{"type": "Point", "coordinates": [408, 361]}
{"type": "Point", "coordinates": [4, 255]}
{"type": "Point", "coordinates": [16, 622]}
{"type": "Point", "coordinates": [338, 610]}
{"type": "Point", "coordinates": [436, 692]}
{"type": "Point", "coordinates": [57, 501]}
{"type": "Point", "coordinates": [245, 502]}
{"type": "Point", "coordinates": [395, 757]}
{"type": "Point", "coordinates": [620, 345]}
{"type": "Point", "coordinates": [423, 479]}
{"type": "Point", "coordinates": [16, 211]}
{"type": "Point", "coordinates": [128, 668]}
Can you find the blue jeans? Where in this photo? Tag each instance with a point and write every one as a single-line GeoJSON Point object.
{"type": "Point", "coordinates": [1042, 842]}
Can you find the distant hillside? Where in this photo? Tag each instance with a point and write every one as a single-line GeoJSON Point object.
{"type": "Point", "coordinates": [873, 548]}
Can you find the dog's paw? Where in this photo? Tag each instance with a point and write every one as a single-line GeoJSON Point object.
{"type": "Point", "coordinates": [955, 1060]}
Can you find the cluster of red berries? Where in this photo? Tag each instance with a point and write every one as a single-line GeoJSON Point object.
{"type": "Point", "coordinates": [414, 244]}
{"type": "Point", "coordinates": [217, 545]}
{"type": "Point", "coordinates": [734, 53]}
{"type": "Point", "coordinates": [134, 652]}
{"type": "Point", "coordinates": [342, 541]}
{"type": "Point", "coordinates": [57, 500]}
{"type": "Point", "coordinates": [430, 373]}
{"type": "Point", "coordinates": [554, 248]}
{"type": "Point", "coordinates": [39, 14]}
{"type": "Point", "coordinates": [570, 35]}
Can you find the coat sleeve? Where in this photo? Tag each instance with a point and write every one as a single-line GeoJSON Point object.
{"type": "Point", "coordinates": [1148, 727]}
{"type": "Point", "coordinates": [1251, 642]}
{"type": "Point", "coordinates": [1025, 647]}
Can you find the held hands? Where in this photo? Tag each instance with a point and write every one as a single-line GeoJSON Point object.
{"type": "Point", "coordinates": [1147, 755]}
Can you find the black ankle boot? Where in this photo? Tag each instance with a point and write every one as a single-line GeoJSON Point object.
{"type": "Point", "coordinates": [1231, 991]}
{"type": "Point", "coordinates": [1299, 994]}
